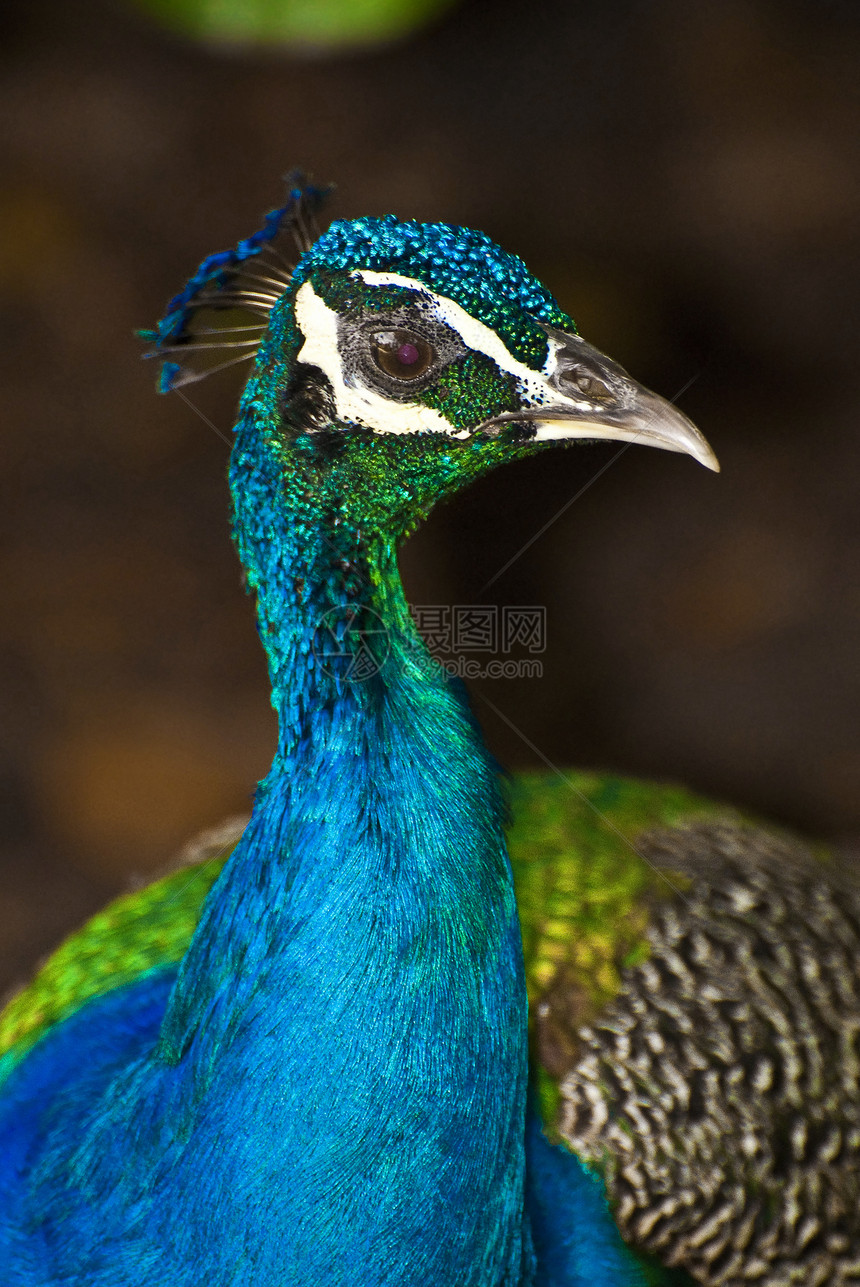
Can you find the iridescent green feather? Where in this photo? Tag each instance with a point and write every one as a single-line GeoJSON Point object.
{"type": "Point", "coordinates": [137, 932]}
{"type": "Point", "coordinates": [583, 891]}
{"type": "Point", "coordinates": [585, 894]}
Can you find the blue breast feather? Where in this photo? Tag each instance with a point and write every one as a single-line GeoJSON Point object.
{"type": "Point", "coordinates": [576, 1242]}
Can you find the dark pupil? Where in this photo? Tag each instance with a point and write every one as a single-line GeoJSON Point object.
{"type": "Point", "coordinates": [401, 354]}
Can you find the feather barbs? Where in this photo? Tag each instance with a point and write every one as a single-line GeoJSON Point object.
{"type": "Point", "coordinates": [208, 318]}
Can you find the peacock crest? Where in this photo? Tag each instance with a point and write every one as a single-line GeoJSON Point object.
{"type": "Point", "coordinates": [209, 317]}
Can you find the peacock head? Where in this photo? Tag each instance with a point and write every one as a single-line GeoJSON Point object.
{"type": "Point", "coordinates": [396, 361]}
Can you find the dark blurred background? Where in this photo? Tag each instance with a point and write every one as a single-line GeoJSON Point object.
{"type": "Point", "coordinates": [683, 177]}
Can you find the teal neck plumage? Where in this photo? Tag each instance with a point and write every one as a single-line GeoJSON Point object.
{"type": "Point", "coordinates": [362, 951]}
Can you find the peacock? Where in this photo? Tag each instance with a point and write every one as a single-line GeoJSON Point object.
{"type": "Point", "coordinates": [416, 1022]}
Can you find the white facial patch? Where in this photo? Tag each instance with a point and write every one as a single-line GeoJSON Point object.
{"type": "Point", "coordinates": [355, 402]}
{"type": "Point", "coordinates": [474, 334]}
{"type": "Point", "coordinates": [629, 414]}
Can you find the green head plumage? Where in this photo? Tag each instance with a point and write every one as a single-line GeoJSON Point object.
{"type": "Point", "coordinates": [402, 359]}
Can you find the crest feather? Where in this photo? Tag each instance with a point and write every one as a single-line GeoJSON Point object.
{"type": "Point", "coordinates": [247, 280]}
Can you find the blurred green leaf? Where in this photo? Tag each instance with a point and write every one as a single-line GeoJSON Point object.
{"type": "Point", "coordinates": [304, 24]}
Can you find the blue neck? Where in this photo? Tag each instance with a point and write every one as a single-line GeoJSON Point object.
{"type": "Point", "coordinates": [352, 1010]}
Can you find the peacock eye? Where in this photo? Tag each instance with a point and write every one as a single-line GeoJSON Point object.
{"type": "Point", "coordinates": [402, 354]}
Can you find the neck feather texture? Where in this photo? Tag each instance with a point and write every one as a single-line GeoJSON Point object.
{"type": "Point", "coordinates": [348, 1029]}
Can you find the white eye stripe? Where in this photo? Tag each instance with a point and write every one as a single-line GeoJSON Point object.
{"type": "Point", "coordinates": [354, 402]}
{"type": "Point", "coordinates": [474, 334]}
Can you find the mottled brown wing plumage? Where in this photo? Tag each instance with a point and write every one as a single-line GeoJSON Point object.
{"type": "Point", "coordinates": [719, 1092]}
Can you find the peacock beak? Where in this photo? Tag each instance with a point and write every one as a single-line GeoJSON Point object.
{"type": "Point", "coordinates": [587, 395]}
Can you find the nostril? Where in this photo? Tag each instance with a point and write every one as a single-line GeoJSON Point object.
{"type": "Point", "coordinates": [585, 382]}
